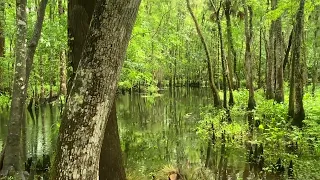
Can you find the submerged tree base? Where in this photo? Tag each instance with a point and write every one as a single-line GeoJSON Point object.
{"type": "Point", "coordinates": [13, 174]}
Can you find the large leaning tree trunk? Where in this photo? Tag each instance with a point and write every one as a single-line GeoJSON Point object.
{"type": "Point", "coordinates": [79, 16]}
{"type": "Point", "coordinates": [93, 90]}
{"type": "Point", "coordinates": [296, 110]}
{"type": "Point", "coordinates": [24, 60]}
{"type": "Point", "coordinates": [11, 161]}
{"type": "Point", "coordinates": [111, 143]}
{"type": "Point", "coordinates": [248, 54]}
{"type": "Point", "coordinates": [278, 56]}
{"type": "Point", "coordinates": [215, 92]}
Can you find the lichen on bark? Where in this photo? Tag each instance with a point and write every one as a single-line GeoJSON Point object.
{"type": "Point", "coordinates": [93, 90]}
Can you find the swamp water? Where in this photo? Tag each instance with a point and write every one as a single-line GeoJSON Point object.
{"type": "Point", "coordinates": [155, 132]}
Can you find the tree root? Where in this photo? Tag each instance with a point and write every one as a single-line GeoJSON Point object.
{"type": "Point", "coordinates": [11, 173]}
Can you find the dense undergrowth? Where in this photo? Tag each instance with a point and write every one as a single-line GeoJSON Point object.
{"type": "Point", "coordinates": [272, 129]}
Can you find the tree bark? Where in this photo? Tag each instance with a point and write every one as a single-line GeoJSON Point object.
{"type": "Point", "coordinates": [286, 56]}
{"type": "Point", "coordinates": [278, 56]}
{"type": "Point", "coordinates": [315, 74]}
{"type": "Point", "coordinates": [63, 75]}
{"type": "Point", "coordinates": [260, 84]}
{"type": "Point", "coordinates": [85, 9]}
{"type": "Point", "coordinates": [111, 162]}
{"type": "Point", "coordinates": [232, 55]}
{"type": "Point", "coordinates": [270, 79]}
{"type": "Point", "coordinates": [225, 70]}
{"type": "Point", "coordinates": [12, 155]}
{"type": "Point", "coordinates": [296, 110]}
{"type": "Point", "coordinates": [79, 17]}
{"type": "Point", "coordinates": [248, 13]}
{"type": "Point", "coordinates": [93, 90]}
{"type": "Point", "coordinates": [62, 60]}
{"type": "Point", "coordinates": [215, 92]}
{"type": "Point", "coordinates": [41, 74]}
{"type": "Point", "coordinates": [24, 61]}
{"type": "Point", "coordinates": [33, 42]}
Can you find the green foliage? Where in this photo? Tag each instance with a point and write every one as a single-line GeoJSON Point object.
{"type": "Point", "coordinates": [272, 129]}
{"type": "Point", "coordinates": [4, 100]}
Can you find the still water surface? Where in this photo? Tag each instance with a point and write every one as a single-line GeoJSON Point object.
{"type": "Point", "coordinates": [154, 131]}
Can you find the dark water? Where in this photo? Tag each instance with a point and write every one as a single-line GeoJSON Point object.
{"type": "Point", "coordinates": [155, 132]}
{"type": "Point", "coordinates": [161, 131]}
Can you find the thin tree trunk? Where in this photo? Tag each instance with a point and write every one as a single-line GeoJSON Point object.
{"type": "Point", "coordinates": [223, 64]}
{"type": "Point", "coordinates": [12, 153]}
{"type": "Point", "coordinates": [270, 79]}
{"type": "Point", "coordinates": [296, 110]}
{"type": "Point", "coordinates": [225, 71]}
{"type": "Point", "coordinates": [62, 60]}
{"type": "Point", "coordinates": [33, 42]}
{"type": "Point", "coordinates": [260, 84]}
{"type": "Point", "coordinates": [279, 55]}
{"type": "Point", "coordinates": [248, 54]}
{"type": "Point", "coordinates": [315, 74]}
{"type": "Point", "coordinates": [63, 75]}
{"type": "Point", "coordinates": [286, 56]}
{"type": "Point", "coordinates": [93, 91]}
{"type": "Point", "coordinates": [41, 74]}
{"type": "Point", "coordinates": [215, 92]}
{"type": "Point", "coordinates": [232, 55]}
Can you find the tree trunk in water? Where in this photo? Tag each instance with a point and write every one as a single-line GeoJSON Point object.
{"type": "Point", "coordinates": [93, 90]}
{"type": "Point", "coordinates": [12, 155]}
{"type": "Point", "coordinates": [296, 110]}
{"type": "Point", "coordinates": [42, 91]}
{"type": "Point", "coordinates": [278, 55]}
{"type": "Point", "coordinates": [248, 55]}
{"type": "Point", "coordinates": [82, 8]}
{"type": "Point", "coordinates": [111, 163]}
{"type": "Point", "coordinates": [215, 92]}
{"type": "Point", "coordinates": [232, 55]}
{"type": "Point", "coordinates": [225, 71]}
